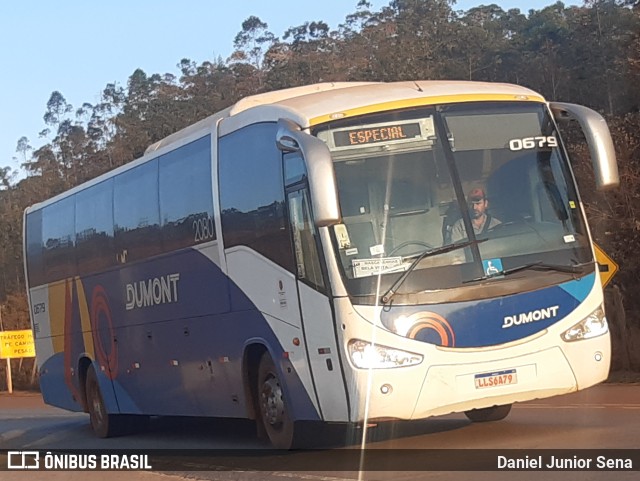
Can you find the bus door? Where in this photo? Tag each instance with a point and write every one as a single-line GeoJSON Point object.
{"type": "Point", "coordinates": [318, 323]}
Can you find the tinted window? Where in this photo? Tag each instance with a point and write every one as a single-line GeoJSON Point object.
{"type": "Point", "coordinates": [186, 204]}
{"type": "Point", "coordinates": [294, 169]}
{"type": "Point", "coordinates": [252, 193]}
{"type": "Point", "coordinates": [35, 263]}
{"type": "Point", "coordinates": [136, 213]}
{"type": "Point", "coordinates": [94, 228]}
{"type": "Point", "coordinates": [58, 235]}
{"type": "Point", "coordinates": [305, 238]}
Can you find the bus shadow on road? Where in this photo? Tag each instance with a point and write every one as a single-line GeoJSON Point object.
{"type": "Point", "coordinates": [230, 444]}
{"type": "Point", "coordinates": [215, 433]}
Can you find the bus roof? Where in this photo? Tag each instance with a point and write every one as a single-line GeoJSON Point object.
{"type": "Point", "coordinates": [318, 103]}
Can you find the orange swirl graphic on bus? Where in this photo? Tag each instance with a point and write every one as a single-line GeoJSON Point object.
{"type": "Point", "coordinates": [434, 322]}
{"type": "Point", "coordinates": [101, 313]}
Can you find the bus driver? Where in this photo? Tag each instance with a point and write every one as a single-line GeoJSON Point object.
{"type": "Point", "coordinates": [481, 220]}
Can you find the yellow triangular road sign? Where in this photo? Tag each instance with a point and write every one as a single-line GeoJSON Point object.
{"type": "Point", "coordinates": [606, 265]}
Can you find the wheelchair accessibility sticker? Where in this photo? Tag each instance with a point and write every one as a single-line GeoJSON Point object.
{"type": "Point", "coordinates": [492, 267]}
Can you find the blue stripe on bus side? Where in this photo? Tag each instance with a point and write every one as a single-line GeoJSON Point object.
{"type": "Point", "coordinates": [178, 350]}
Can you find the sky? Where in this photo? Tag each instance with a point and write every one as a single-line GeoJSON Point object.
{"type": "Point", "coordinates": [77, 47]}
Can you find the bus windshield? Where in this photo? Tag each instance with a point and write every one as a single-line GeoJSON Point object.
{"type": "Point", "coordinates": [489, 176]}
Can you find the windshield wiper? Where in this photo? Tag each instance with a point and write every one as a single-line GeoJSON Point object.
{"type": "Point", "coordinates": [387, 296]}
{"type": "Point", "coordinates": [537, 266]}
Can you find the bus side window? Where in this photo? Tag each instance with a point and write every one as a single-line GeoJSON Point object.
{"type": "Point", "coordinates": [35, 249]}
{"type": "Point", "coordinates": [136, 213]}
{"type": "Point", "coordinates": [252, 202]}
{"type": "Point", "coordinates": [59, 237]}
{"type": "Point", "coordinates": [303, 229]}
{"type": "Point", "coordinates": [94, 228]}
{"type": "Point", "coordinates": [186, 200]}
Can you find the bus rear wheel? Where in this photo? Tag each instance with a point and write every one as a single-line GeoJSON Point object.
{"type": "Point", "coordinates": [493, 413]}
{"type": "Point", "coordinates": [104, 425]}
{"type": "Point", "coordinates": [274, 413]}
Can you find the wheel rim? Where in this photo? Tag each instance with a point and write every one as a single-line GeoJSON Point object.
{"type": "Point", "coordinates": [97, 413]}
{"type": "Point", "coordinates": [271, 401]}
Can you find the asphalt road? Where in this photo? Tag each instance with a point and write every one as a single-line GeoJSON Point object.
{"type": "Point", "coordinates": [605, 417]}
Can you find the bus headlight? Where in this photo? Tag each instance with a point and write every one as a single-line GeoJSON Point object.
{"type": "Point", "coordinates": [365, 355]}
{"type": "Point", "coordinates": [595, 324]}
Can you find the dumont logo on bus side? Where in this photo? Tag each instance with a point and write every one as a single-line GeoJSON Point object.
{"type": "Point", "coordinates": [153, 292]}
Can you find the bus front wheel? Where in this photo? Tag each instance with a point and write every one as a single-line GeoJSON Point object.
{"type": "Point", "coordinates": [494, 413]}
{"type": "Point", "coordinates": [274, 413]}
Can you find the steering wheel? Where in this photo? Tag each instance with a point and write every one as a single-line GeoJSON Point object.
{"type": "Point", "coordinates": [501, 225]}
{"type": "Point", "coordinates": [408, 243]}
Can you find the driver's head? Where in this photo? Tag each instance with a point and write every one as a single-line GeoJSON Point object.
{"type": "Point", "coordinates": [478, 203]}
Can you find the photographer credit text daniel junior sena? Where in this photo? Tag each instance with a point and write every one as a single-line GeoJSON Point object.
{"type": "Point", "coordinates": [560, 463]}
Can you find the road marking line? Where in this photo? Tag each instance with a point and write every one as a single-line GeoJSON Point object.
{"type": "Point", "coordinates": [577, 406]}
{"type": "Point", "coordinates": [310, 476]}
{"type": "Point", "coordinates": [15, 433]}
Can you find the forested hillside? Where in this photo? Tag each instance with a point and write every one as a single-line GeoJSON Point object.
{"type": "Point", "coordinates": [588, 55]}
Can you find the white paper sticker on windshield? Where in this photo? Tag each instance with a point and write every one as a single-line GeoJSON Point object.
{"type": "Point", "coordinates": [342, 235]}
{"type": "Point", "coordinates": [376, 250]}
{"type": "Point", "coordinates": [351, 252]}
{"type": "Point", "coordinates": [372, 267]}
{"type": "Point", "coordinates": [569, 238]}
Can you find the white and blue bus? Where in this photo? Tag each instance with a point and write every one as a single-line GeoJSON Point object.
{"type": "Point", "coordinates": [318, 254]}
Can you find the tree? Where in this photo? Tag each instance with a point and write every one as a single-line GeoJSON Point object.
{"type": "Point", "coordinates": [308, 57]}
{"type": "Point", "coordinates": [602, 42]}
{"type": "Point", "coordinates": [57, 107]}
{"type": "Point", "coordinates": [23, 147]}
{"type": "Point", "coordinates": [251, 44]}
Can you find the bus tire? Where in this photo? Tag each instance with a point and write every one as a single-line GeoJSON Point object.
{"type": "Point", "coordinates": [273, 413]}
{"type": "Point", "coordinates": [493, 413]}
{"type": "Point", "coordinates": [104, 425]}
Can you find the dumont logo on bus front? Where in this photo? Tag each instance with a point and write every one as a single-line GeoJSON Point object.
{"type": "Point", "coordinates": [152, 292]}
{"type": "Point", "coordinates": [530, 316]}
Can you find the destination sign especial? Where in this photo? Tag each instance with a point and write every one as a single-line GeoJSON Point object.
{"type": "Point", "coordinates": [377, 134]}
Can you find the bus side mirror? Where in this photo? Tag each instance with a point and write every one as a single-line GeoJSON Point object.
{"type": "Point", "coordinates": [603, 155]}
{"type": "Point", "coordinates": [321, 174]}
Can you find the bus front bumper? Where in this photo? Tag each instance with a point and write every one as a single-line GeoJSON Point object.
{"type": "Point", "coordinates": [461, 380]}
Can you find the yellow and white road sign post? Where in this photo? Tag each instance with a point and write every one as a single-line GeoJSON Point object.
{"type": "Point", "coordinates": [17, 344]}
{"type": "Point", "coordinates": [14, 345]}
{"type": "Point", "coordinates": [606, 265]}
